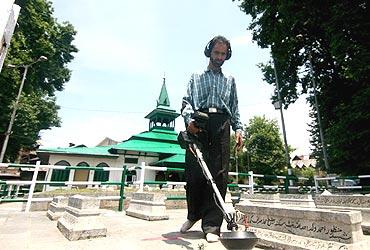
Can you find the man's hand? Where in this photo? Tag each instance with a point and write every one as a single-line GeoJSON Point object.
{"type": "Point", "coordinates": [239, 141]}
{"type": "Point", "coordinates": [192, 128]}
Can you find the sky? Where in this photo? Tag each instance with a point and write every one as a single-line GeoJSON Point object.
{"type": "Point", "coordinates": [126, 48]}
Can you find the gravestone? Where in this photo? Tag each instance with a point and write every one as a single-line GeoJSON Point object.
{"type": "Point", "coordinates": [297, 200]}
{"type": "Point", "coordinates": [148, 206]}
{"type": "Point", "coordinates": [262, 199]}
{"type": "Point", "coordinates": [81, 220]}
{"type": "Point", "coordinates": [347, 202]}
{"type": "Point", "coordinates": [57, 207]}
{"type": "Point", "coordinates": [305, 228]}
{"type": "Point", "coordinates": [228, 198]}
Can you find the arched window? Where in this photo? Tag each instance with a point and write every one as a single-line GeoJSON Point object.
{"type": "Point", "coordinates": [101, 175]}
{"type": "Point", "coordinates": [60, 174]}
{"type": "Point", "coordinates": [81, 174]}
{"type": "Point", "coordinates": [83, 163]}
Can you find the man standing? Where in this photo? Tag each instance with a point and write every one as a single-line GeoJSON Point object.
{"type": "Point", "coordinates": [214, 93]}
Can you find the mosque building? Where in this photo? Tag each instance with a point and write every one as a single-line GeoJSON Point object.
{"type": "Point", "coordinates": [156, 147]}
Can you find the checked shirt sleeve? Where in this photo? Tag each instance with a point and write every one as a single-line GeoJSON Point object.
{"type": "Point", "coordinates": [188, 102]}
{"type": "Point", "coordinates": [236, 124]}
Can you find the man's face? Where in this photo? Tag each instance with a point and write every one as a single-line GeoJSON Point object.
{"type": "Point", "coordinates": [218, 54]}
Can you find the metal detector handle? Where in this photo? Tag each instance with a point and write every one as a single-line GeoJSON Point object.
{"type": "Point", "coordinates": [208, 175]}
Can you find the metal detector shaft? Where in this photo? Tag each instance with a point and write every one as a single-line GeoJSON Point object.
{"type": "Point", "coordinates": [208, 175]}
{"type": "Point", "coordinates": [234, 239]}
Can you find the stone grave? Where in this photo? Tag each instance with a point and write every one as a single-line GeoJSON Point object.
{"type": "Point", "coordinates": [148, 206]}
{"type": "Point", "coordinates": [57, 207]}
{"type": "Point", "coordinates": [347, 202]}
{"type": "Point", "coordinates": [305, 228]}
{"type": "Point", "coordinates": [262, 199]}
{"type": "Point", "coordinates": [297, 200]}
{"type": "Point", "coordinates": [82, 220]}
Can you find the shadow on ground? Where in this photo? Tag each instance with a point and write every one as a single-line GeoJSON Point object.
{"type": "Point", "coordinates": [177, 238]}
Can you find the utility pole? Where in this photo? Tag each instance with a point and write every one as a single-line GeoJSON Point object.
{"type": "Point", "coordinates": [12, 118]}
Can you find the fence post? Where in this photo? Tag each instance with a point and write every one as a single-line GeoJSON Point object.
{"type": "Point", "coordinates": [142, 176]}
{"type": "Point", "coordinates": [286, 184]}
{"type": "Point", "coordinates": [32, 188]}
{"type": "Point", "coordinates": [17, 190]}
{"type": "Point", "coordinates": [122, 189]}
{"type": "Point", "coordinates": [48, 173]}
{"type": "Point", "coordinates": [316, 184]}
{"type": "Point", "coordinates": [10, 189]}
{"type": "Point", "coordinates": [250, 182]}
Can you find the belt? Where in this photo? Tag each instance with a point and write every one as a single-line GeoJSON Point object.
{"type": "Point", "coordinates": [213, 111]}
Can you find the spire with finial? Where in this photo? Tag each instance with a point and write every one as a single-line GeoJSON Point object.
{"type": "Point", "coordinates": [163, 116]}
{"type": "Point", "coordinates": [163, 99]}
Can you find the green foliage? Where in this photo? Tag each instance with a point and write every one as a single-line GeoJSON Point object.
{"type": "Point", "coordinates": [37, 34]}
{"type": "Point", "coordinates": [307, 172]}
{"type": "Point", "coordinates": [335, 36]}
{"type": "Point", "coordinates": [265, 152]}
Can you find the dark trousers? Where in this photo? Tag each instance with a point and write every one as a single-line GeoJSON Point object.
{"type": "Point", "coordinates": [216, 152]}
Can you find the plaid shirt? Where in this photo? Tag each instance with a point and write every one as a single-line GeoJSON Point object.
{"type": "Point", "coordinates": [212, 90]}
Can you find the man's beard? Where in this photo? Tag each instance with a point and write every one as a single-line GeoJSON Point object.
{"type": "Point", "coordinates": [217, 63]}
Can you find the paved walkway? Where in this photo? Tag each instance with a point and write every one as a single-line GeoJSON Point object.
{"type": "Point", "coordinates": [19, 230]}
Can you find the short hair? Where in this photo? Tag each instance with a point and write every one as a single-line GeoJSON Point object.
{"type": "Point", "coordinates": [218, 39]}
{"type": "Point", "coordinates": [221, 39]}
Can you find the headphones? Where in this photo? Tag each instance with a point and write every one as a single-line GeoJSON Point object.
{"type": "Point", "coordinates": [209, 47]}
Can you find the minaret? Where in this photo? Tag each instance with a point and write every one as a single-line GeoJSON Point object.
{"type": "Point", "coordinates": [163, 116]}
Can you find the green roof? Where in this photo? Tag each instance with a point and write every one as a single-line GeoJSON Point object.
{"type": "Point", "coordinates": [149, 146]}
{"type": "Point", "coordinates": [99, 150]}
{"type": "Point", "coordinates": [154, 141]}
{"type": "Point", "coordinates": [178, 159]}
{"type": "Point", "coordinates": [158, 134]}
{"type": "Point", "coordinates": [163, 112]}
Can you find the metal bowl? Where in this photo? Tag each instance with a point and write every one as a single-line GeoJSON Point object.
{"type": "Point", "coordinates": [238, 240]}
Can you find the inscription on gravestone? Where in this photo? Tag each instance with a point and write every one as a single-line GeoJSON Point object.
{"type": "Point", "coordinates": [343, 200]}
{"type": "Point", "coordinates": [310, 226]}
{"type": "Point", "coordinates": [292, 226]}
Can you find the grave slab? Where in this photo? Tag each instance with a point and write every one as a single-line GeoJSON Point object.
{"type": "Point", "coordinates": [347, 202]}
{"type": "Point", "coordinates": [262, 199]}
{"type": "Point", "coordinates": [81, 220]}
{"type": "Point", "coordinates": [148, 206]}
{"type": "Point", "coordinates": [297, 200]}
{"type": "Point", "coordinates": [57, 207]}
{"type": "Point", "coordinates": [280, 227]}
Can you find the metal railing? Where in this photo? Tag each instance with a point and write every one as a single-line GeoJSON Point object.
{"type": "Point", "coordinates": [34, 181]}
{"type": "Point", "coordinates": [12, 188]}
{"type": "Point", "coordinates": [341, 183]}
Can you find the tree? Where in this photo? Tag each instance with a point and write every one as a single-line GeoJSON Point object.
{"type": "Point", "coordinates": [38, 33]}
{"type": "Point", "coordinates": [333, 37]}
{"type": "Point", "coordinates": [308, 172]}
{"type": "Point", "coordinates": [265, 152]}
